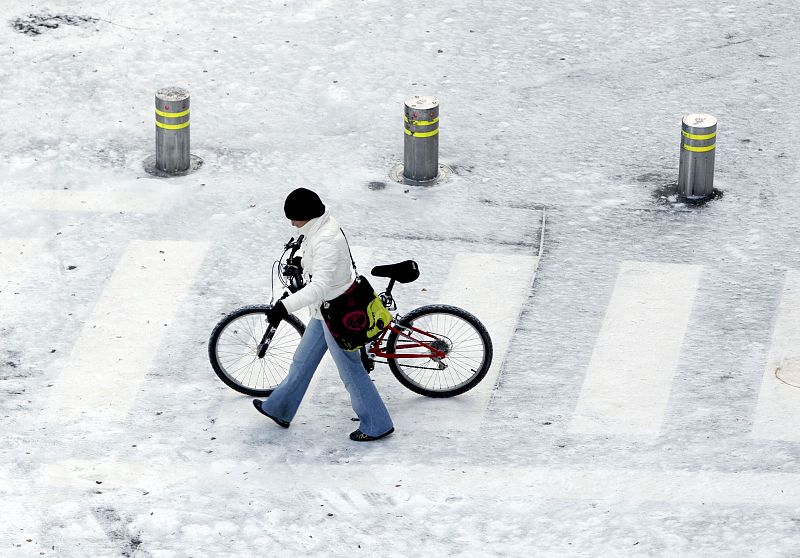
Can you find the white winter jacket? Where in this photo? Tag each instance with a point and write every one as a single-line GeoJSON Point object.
{"type": "Point", "coordinates": [327, 268]}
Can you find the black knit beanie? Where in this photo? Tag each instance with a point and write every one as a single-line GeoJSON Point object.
{"type": "Point", "coordinates": [303, 205]}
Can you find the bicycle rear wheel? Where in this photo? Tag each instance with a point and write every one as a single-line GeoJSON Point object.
{"type": "Point", "coordinates": [456, 332]}
{"type": "Point", "coordinates": [233, 350]}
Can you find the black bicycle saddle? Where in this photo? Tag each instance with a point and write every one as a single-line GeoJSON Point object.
{"type": "Point", "coordinates": [403, 272]}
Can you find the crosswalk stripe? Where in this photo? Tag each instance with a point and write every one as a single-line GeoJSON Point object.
{"type": "Point", "coordinates": [630, 374]}
{"type": "Point", "coordinates": [482, 481]}
{"type": "Point", "coordinates": [17, 255]}
{"type": "Point", "coordinates": [472, 285]}
{"type": "Point", "coordinates": [777, 414]}
{"type": "Point", "coordinates": [120, 339]}
{"type": "Point", "coordinates": [84, 200]}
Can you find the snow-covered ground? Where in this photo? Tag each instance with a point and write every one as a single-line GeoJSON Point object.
{"type": "Point", "coordinates": [643, 402]}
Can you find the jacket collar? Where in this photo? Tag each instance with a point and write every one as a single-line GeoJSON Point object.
{"type": "Point", "coordinates": [314, 224]}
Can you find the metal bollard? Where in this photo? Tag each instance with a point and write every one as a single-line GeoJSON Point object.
{"type": "Point", "coordinates": [696, 170]}
{"type": "Point", "coordinates": [172, 130]}
{"type": "Point", "coordinates": [421, 144]}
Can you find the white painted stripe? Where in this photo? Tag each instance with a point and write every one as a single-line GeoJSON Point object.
{"type": "Point", "coordinates": [84, 200]}
{"type": "Point", "coordinates": [628, 382]}
{"type": "Point", "coordinates": [17, 256]}
{"type": "Point", "coordinates": [698, 487]}
{"type": "Point", "coordinates": [604, 484]}
{"type": "Point", "coordinates": [469, 285]}
{"type": "Point", "coordinates": [777, 415]}
{"type": "Point", "coordinates": [472, 285]}
{"type": "Point", "coordinates": [119, 341]}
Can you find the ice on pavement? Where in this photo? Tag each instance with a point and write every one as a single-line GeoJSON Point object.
{"type": "Point", "coordinates": [118, 440]}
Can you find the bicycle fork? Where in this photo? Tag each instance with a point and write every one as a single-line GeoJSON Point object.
{"type": "Point", "coordinates": [261, 350]}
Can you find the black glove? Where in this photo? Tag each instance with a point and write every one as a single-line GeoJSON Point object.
{"type": "Point", "coordinates": [276, 314]}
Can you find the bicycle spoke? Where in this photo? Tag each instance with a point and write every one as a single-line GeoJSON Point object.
{"type": "Point", "coordinates": [446, 331]}
{"type": "Point", "coordinates": [236, 351]}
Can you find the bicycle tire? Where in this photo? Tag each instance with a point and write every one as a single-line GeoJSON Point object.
{"type": "Point", "coordinates": [233, 344]}
{"type": "Point", "coordinates": [461, 335]}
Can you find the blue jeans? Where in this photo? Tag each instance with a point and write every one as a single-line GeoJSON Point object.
{"type": "Point", "coordinates": [284, 401]}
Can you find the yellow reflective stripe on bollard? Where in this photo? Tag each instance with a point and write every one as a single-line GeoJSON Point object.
{"type": "Point", "coordinates": [421, 122]}
{"type": "Point", "coordinates": [698, 149]}
{"type": "Point", "coordinates": [172, 114]}
{"type": "Point", "coordinates": [698, 137]}
{"type": "Point", "coordinates": [171, 126]}
{"type": "Point", "coordinates": [421, 134]}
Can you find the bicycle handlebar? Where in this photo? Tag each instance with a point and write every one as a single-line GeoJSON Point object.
{"type": "Point", "coordinates": [294, 245]}
{"type": "Point", "coordinates": [292, 269]}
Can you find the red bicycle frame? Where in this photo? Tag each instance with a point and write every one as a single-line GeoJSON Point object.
{"type": "Point", "coordinates": [378, 347]}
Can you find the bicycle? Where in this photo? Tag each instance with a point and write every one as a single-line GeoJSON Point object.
{"type": "Point", "coordinates": [435, 350]}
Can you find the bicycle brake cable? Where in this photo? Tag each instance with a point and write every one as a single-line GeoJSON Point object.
{"type": "Point", "coordinates": [272, 284]}
{"type": "Point", "coordinates": [279, 274]}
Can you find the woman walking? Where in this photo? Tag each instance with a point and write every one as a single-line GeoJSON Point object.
{"type": "Point", "coordinates": [327, 272]}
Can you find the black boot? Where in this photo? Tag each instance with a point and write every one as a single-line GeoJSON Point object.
{"type": "Point", "coordinates": [257, 404]}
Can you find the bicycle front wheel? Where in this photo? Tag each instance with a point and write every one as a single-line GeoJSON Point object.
{"type": "Point", "coordinates": [452, 330]}
{"type": "Point", "coordinates": [233, 350]}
